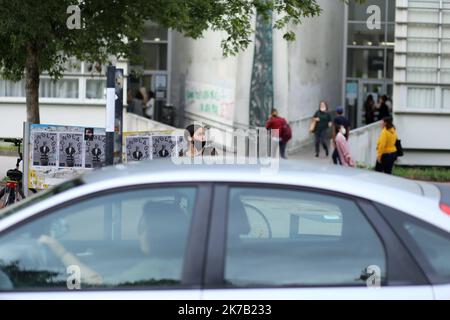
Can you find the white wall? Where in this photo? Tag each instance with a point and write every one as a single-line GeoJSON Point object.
{"type": "Point", "coordinates": [202, 61]}
{"type": "Point", "coordinates": [13, 115]}
{"type": "Point", "coordinates": [305, 71]}
{"type": "Point", "coordinates": [315, 68]}
{"type": "Point", "coordinates": [363, 144]}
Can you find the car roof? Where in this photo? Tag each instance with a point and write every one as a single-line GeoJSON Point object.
{"type": "Point", "coordinates": [288, 172]}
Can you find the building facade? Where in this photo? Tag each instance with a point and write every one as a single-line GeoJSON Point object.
{"type": "Point", "coordinates": [342, 57]}
{"type": "Point", "coordinates": [422, 80]}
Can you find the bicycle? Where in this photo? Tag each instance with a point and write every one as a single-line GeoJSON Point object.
{"type": "Point", "coordinates": [13, 190]}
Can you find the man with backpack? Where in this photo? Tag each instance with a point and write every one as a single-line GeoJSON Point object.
{"type": "Point", "coordinates": [284, 134]}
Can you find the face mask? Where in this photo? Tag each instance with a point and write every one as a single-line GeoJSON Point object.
{"type": "Point", "coordinates": [199, 145]}
{"type": "Point", "coordinates": [343, 131]}
{"type": "Point", "coordinates": [323, 109]}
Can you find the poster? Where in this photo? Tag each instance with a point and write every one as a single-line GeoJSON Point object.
{"type": "Point", "coordinates": [44, 151]}
{"type": "Point", "coordinates": [71, 150]}
{"type": "Point", "coordinates": [164, 146]}
{"type": "Point", "coordinates": [59, 153]}
{"type": "Point", "coordinates": [138, 148]}
{"type": "Point", "coordinates": [95, 152]}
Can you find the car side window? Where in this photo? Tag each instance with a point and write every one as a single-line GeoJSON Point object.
{"type": "Point", "coordinates": [282, 237]}
{"type": "Point", "coordinates": [133, 238]}
{"type": "Point", "coordinates": [434, 245]}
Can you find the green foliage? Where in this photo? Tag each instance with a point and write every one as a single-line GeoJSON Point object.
{"type": "Point", "coordinates": [107, 23]}
{"type": "Point", "coordinates": [433, 174]}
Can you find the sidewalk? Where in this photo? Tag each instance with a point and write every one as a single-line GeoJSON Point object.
{"type": "Point", "coordinates": [308, 154]}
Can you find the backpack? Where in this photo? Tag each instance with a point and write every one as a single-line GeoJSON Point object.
{"type": "Point", "coordinates": [286, 132]}
{"type": "Point", "coordinates": [398, 145]}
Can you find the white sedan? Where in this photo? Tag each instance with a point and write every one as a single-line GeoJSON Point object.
{"type": "Point", "coordinates": [160, 231]}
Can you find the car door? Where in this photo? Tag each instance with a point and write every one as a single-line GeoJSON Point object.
{"type": "Point", "coordinates": [277, 242]}
{"type": "Point", "coordinates": [429, 245]}
{"type": "Point", "coordinates": [141, 242]}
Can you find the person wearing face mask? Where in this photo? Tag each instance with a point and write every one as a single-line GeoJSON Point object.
{"type": "Point", "coordinates": [343, 147]}
{"type": "Point", "coordinates": [323, 122]}
{"type": "Point", "coordinates": [340, 120]}
{"type": "Point", "coordinates": [195, 136]}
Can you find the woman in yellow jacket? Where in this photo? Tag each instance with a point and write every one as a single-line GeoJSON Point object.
{"type": "Point", "coordinates": [386, 148]}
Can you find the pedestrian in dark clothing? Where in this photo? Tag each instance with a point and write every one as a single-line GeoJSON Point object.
{"type": "Point", "coordinates": [369, 109]}
{"type": "Point", "coordinates": [138, 104]}
{"type": "Point", "coordinates": [340, 122]}
{"type": "Point", "coordinates": [383, 109]}
{"type": "Point", "coordinates": [278, 123]}
{"type": "Point", "coordinates": [323, 123]}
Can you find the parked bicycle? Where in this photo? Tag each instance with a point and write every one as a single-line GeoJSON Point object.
{"type": "Point", "coordinates": [13, 190]}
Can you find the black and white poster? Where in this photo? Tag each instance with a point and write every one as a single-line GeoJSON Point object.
{"type": "Point", "coordinates": [182, 145]}
{"type": "Point", "coordinates": [95, 152]}
{"type": "Point", "coordinates": [71, 150]}
{"type": "Point", "coordinates": [44, 149]}
{"type": "Point", "coordinates": [138, 148]}
{"type": "Point", "coordinates": [164, 146]}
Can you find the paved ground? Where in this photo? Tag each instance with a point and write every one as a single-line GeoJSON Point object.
{"type": "Point", "coordinates": [308, 154]}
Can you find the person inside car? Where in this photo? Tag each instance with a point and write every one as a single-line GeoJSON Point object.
{"type": "Point", "coordinates": [162, 232]}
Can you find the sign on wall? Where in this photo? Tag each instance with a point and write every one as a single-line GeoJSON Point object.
{"type": "Point", "coordinates": [210, 101]}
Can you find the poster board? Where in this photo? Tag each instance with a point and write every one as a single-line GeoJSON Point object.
{"type": "Point", "coordinates": [59, 153]}
{"type": "Point", "coordinates": [141, 146]}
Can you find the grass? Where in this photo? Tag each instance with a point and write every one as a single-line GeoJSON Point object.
{"type": "Point", "coordinates": [7, 147]}
{"type": "Point", "coordinates": [433, 174]}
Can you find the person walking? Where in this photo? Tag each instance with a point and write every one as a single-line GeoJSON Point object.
{"type": "Point", "coordinates": [386, 147]}
{"type": "Point", "coordinates": [138, 104]}
{"type": "Point", "coordinates": [340, 120]}
{"type": "Point", "coordinates": [323, 122]}
{"type": "Point", "coordinates": [369, 109]}
{"type": "Point", "coordinates": [150, 105]}
{"type": "Point", "coordinates": [383, 109]}
{"type": "Point", "coordinates": [342, 147]}
{"type": "Point", "coordinates": [284, 131]}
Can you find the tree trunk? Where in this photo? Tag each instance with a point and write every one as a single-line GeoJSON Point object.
{"type": "Point", "coordinates": [32, 72]}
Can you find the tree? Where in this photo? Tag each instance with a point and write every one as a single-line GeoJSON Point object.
{"type": "Point", "coordinates": [40, 36]}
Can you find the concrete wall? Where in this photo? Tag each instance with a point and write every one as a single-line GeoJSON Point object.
{"type": "Point", "coordinates": [425, 138]}
{"type": "Point", "coordinates": [12, 116]}
{"type": "Point", "coordinates": [315, 62]}
{"type": "Point", "coordinates": [202, 61]}
{"type": "Point", "coordinates": [305, 71]}
{"type": "Point", "coordinates": [363, 144]}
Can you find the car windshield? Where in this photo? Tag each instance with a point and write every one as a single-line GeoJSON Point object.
{"type": "Point", "coordinates": [40, 197]}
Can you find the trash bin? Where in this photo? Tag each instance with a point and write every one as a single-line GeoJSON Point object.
{"type": "Point", "coordinates": [168, 115]}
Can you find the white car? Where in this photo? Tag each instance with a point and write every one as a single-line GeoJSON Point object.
{"type": "Point", "coordinates": [160, 231]}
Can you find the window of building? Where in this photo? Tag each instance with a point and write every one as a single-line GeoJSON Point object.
{"type": "Point", "coordinates": [423, 53]}
{"type": "Point", "coordinates": [369, 55]}
{"type": "Point", "coordinates": [82, 81]}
